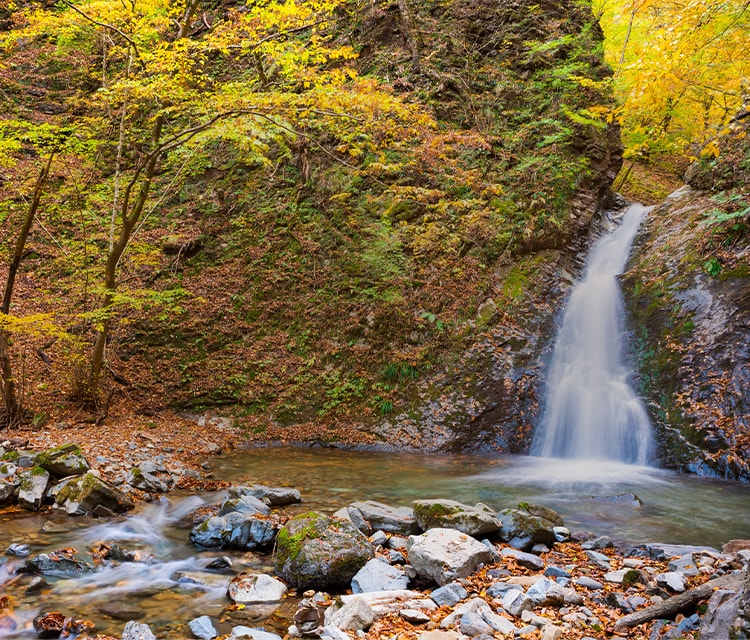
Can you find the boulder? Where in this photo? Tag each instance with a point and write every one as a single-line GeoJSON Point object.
{"type": "Point", "coordinates": [89, 494]}
{"type": "Point", "coordinates": [378, 575]}
{"type": "Point", "coordinates": [478, 520]}
{"type": "Point", "coordinates": [314, 551]}
{"type": "Point", "coordinates": [63, 461]}
{"type": "Point", "coordinates": [7, 490]}
{"type": "Point", "coordinates": [370, 516]}
{"type": "Point", "coordinates": [442, 555]}
{"type": "Point", "coordinates": [244, 504]}
{"type": "Point", "coordinates": [234, 531]}
{"type": "Point", "coordinates": [528, 525]}
{"type": "Point", "coordinates": [32, 486]}
{"type": "Point", "coordinates": [254, 588]}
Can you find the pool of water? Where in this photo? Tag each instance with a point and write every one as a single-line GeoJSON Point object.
{"type": "Point", "coordinates": [673, 508]}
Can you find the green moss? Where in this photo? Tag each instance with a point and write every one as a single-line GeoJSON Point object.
{"type": "Point", "coordinates": [11, 456]}
{"type": "Point", "coordinates": [289, 544]}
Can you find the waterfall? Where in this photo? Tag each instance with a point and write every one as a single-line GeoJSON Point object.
{"type": "Point", "coordinates": [590, 410]}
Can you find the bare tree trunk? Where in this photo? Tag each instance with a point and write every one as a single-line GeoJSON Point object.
{"type": "Point", "coordinates": [187, 17]}
{"type": "Point", "coordinates": [409, 34]}
{"type": "Point", "coordinates": [11, 402]}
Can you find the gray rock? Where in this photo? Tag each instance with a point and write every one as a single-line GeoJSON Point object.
{"type": "Point", "coordinates": [588, 583]}
{"type": "Point", "coordinates": [551, 571]}
{"type": "Point", "coordinates": [234, 531]}
{"type": "Point", "coordinates": [254, 588]}
{"type": "Point", "coordinates": [528, 560]}
{"type": "Point", "coordinates": [551, 632]}
{"type": "Point", "coordinates": [449, 595]}
{"type": "Point", "coordinates": [723, 609]}
{"type": "Point", "coordinates": [378, 539]}
{"type": "Point", "coordinates": [204, 578]}
{"type": "Point", "coordinates": [499, 589]}
{"type": "Point", "coordinates": [145, 481]}
{"type": "Point", "coordinates": [314, 551]}
{"type": "Point", "coordinates": [443, 555]}
{"type": "Point", "coordinates": [546, 593]}
{"type": "Point", "coordinates": [561, 533]}
{"type": "Point", "coordinates": [480, 607]}
{"type": "Point", "coordinates": [602, 542]}
{"type": "Point", "coordinates": [377, 575]}
{"type": "Point", "coordinates": [32, 486]}
{"type": "Point", "coordinates": [599, 559]}
{"type": "Point", "coordinates": [478, 520]}
{"type": "Point", "coordinates": [89, 494]}
{"type": "Point", "coordinates": [472, 624]}
{"type": "Point", "coordinates": [660, 551]}
{"type": "Point", "coordinates": [244, 504]}
{"type": "Point", "coordinates": [524, 527]}
{"type": "Point", "coordinates": [355, 615]}
{"type": "Point", "coordinates": [684, 565]}
{"type": "Point", "coordinates": [137, 631]}
{"type": "Point", "coordinates": [515, 602]}
{"type": "Point", "coordinates": [616, 577]}
{"type": "Point", "coordinates": [36, 584]}
{"type": "Point", "coordinates": [370, 516]}
{"type": "Point", "coordinates": [203, 628]}
{"type": "Point", "coordinates": [672, 581]}
{"type": "Point", "coordinates": [66, 460]}
{"type": "Point", "coordinates": [274, 496]}
{"type": "Point", "coordinates": [59, 563]}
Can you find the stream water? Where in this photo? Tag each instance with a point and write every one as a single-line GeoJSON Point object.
{"type": "Point", "coordinates": [675, 508]}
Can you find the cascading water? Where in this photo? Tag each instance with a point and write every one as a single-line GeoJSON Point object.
{"type": "Point", "coordinates": [591, 412]}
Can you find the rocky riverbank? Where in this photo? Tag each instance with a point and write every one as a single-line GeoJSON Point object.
{"type": "Point", "coordinates": [435, 570]}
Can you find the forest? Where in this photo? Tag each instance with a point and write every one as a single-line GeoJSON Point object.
{"type": "Point", "coordinates": [331, 220]}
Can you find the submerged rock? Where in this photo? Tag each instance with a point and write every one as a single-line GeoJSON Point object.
{"type": "Point", "coordinates": [235, 531]}
{"type": "Point", "coordinates": [58, 563]}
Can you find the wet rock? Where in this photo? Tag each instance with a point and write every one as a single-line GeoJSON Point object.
{"type": "Point", "coordinates": [528, 560]}
{"type": "Point", "coordinates": [369, 516]}
{"type": "Point", "coordinates": [246, 504]}
{"type": "Point", "coordinates": [449, 594]}
{"type": "Point", "coordinates": [442, 555]}
{"type": "Point", "coordinates": [318, 552]}
{"type": "Point", "coordinates": [19, 550]}
{"type": "Point", "coordinates": [212, 580]}
{"type": "Point", "coordinates": [377, 575]}
{"type": "Point", "coordinates": [274, 496]}
{"type": "Point", "coordinates": [203, 628]}
{"type": "Point", "coordinates": [32, 486]}
{"type": "Point", "coordinates": [7, 491]}
{"type": "Point", "coordinates": [234, 531]}
{"type": "Point", "coordinates": [49, 625]}
{"type": "Point", "coordinates": [309, 617]}
{"type": "Point", "coordinates": [528, 525]}
{"type": "Point", "coordinates": [136, 631]}
{"type": "Point", "coordinates": [90, 494]}
{"type": "Point", "coordinates": [119, 611]}
{"type": "Point", "coordinates": [628, 499]}
{"type": "Point", "coordinates": [478, 520]}
{"type": "Point", "coordinates": [220, 564]}
{"type": "Point", "coordinates": [255, 588]}
{"type": "Point", "coordinates": [355, 615]}
{"type": "Point", "coordinates": [58, 563]}
{"type": "Point", "coordinates": [63, 461]}
{"type": "Point", "coordinates": [248, 633]}
{"type": "Point", "coordinates": [36, 584]}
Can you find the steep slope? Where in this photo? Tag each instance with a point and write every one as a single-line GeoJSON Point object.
{"type": "Point", "coordinates": [689, 289]}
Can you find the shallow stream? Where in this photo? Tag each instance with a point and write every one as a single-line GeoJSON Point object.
{"type": "Point", "coordinates": [674, 508]}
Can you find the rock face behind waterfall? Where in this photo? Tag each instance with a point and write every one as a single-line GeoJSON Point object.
{"type": "Point", "coordinates": [689, 297]}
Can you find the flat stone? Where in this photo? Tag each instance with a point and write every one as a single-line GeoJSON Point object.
{"type": "Point", "coordinates": [378, 575]}
{"type": "Point", "coordinates": [599, 559]}
{"type": "Point", "coordinates": [588, 583]}
{"type": "Point", "coordinates": [241, 633]}
{"type": "Point", "coordinates": [254, 588]}
{"type": "Point", "coordinates": [415, 616]}
{"type": "Point", "coordinates": [369, 516]}
{"type": "Point", "coordinates": [672, 580]}
{"type": "Point", "coordinates": [527, 560]}
{"type": "Point", "coordinates": [443, 555]}
{"type": "Point", "coordinates": [449, 595]}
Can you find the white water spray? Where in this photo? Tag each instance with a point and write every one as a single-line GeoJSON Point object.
{"type": "Point", "coordinates": [591, 412]}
